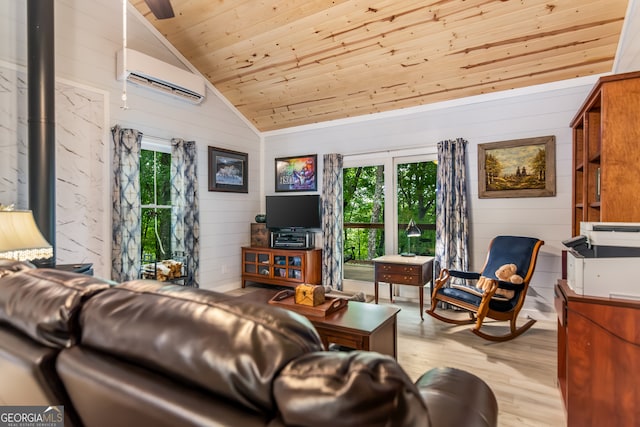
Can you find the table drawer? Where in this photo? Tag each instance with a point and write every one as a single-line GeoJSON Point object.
{"type": "Point", "coordinates": [345, 339]}
{"type": "Point", "coordinates": [405, 279]}
{"type": "Point", "coordinates": [399, 269]}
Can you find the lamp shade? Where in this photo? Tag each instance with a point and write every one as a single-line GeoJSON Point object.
{"type": "Point", "coordinates": [20, 238]}
{"type": "Point", "coordinates": [413, 230]}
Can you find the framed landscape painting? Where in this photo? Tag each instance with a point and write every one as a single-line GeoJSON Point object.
{"type": "Point", "coordinates": [228, 170]}
{"type": "Point", "coordinates": [517, 168]}
{"type": "Point", "coordinates": [296, 173]}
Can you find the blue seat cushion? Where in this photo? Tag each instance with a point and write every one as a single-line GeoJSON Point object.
{"type": "Point", "coordinates": [474, 299]}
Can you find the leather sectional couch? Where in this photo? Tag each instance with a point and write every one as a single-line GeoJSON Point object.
{"type": "Point", "coordinates": [145, 353]}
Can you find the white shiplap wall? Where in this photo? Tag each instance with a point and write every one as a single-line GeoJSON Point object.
{"type": "Point", "coordinates": [519, 114]}
{"type": "Point", "coordinates": [88, 35]}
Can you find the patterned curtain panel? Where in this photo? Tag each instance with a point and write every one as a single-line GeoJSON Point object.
{"type": "Point", "coordinates": [185, 216]}
{"type": "Point", "coordinates": [126, 247]}
{"type": "Point", "coordinates": [452, 219]}
{"type": "Point", "coordinates": [332, 221]}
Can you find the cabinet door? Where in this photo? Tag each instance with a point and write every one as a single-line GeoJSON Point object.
{"type": "Point", "coordinates": [295, 267]}
{"type": "Point", "coordinates": [294, 274]}
{"type": "Point", "coordinates": [250, 263]}
{"type": "Point", "coordinates": [295, 260]}
{"type": "Point", "coordinates": [256, 263]}
{"type": "Point", "coordinates": [279, 266]}
{"type": "Point", "coordinates": [288, 266]}
{"type": "Point", "coordinates": [264, 264]}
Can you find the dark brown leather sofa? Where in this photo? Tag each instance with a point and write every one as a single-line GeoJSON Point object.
{"type": "Point", "coordinates": [145, 353]}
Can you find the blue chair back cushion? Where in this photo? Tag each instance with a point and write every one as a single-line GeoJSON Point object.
{"type": "Point", "coordinates": [510, 250]}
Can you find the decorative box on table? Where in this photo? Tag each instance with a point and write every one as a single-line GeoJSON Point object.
{"type": "Point", "coordinates": [311, 295]}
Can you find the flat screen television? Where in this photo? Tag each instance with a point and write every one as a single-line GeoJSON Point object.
{"type": "Point", "coordinates": [293, 212]}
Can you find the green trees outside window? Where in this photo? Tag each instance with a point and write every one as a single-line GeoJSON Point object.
{"type": "Point", "coordinates": [417, 201]}
{"type": "Point", "coordinates": [155, 194]}
{"type": "Point", "coordinates": [363, 212]}
{"type": "Point", "coordinates": [364, 206]}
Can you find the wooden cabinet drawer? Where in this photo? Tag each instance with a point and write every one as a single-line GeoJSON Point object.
{"type": "Point", "coordinates": [406, 279]}
{"type": "Point", "coordinates": [398, 273]}
{"type": "Point", "coordinates": [399, 269]}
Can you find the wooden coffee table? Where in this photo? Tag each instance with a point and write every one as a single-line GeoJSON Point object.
{"type": "Point", "coordinates": [360, 325]}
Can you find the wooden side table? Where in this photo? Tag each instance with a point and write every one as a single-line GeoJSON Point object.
{"type": "Point", "coordinates": [402, 270]}
{"type": "Point", "coordinates": [360, 326]}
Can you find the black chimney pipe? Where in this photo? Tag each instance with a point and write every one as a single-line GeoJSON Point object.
{"type": "Point", "coordinates": [42, 138]}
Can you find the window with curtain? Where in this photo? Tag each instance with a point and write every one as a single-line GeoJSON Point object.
{"type": "Point", "coordinates": [167, 174]}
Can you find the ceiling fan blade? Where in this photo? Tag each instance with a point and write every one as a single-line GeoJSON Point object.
{"type": "Point", "coordinates": [160, 8]}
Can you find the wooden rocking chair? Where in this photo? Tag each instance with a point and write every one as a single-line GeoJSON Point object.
{"type": "Point", "coordinates": [521, 251]}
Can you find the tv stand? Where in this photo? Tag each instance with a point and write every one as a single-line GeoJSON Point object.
{"type": "Point", "coordinates": [282, 267]}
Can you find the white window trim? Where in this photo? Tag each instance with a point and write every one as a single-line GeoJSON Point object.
{"type": "Point", "coordinates": [155, 144]}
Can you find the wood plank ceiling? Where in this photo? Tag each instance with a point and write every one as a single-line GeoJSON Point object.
{"type": "Point", "coordinates": [287, 63]}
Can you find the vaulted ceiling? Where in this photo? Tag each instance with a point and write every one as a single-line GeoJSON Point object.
{"type": "Point", "coordinates": [286, 63]}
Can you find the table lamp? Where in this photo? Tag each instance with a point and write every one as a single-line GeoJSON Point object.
{"type": "Point", "coordinates": [20, 238]}
{"type": "Point", "coordinates": [412, 231]}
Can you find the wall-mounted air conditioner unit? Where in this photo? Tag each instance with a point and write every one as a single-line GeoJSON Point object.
{"type": "Point", "coordinates": [146, 71]}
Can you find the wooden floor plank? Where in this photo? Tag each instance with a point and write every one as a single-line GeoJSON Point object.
{"type": "Point", "coordinates": [521, 372]}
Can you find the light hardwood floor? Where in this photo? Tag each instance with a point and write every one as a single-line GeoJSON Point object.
{"type": "Point", "coordinates": [521, 372]}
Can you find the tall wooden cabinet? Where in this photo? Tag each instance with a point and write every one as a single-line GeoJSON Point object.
{"type": "Point", "coordinates": [606, 153]}
{"type": "Point", "coordinates": [599, 338]}
{"type": "Point", "coordinates": [283, 267]}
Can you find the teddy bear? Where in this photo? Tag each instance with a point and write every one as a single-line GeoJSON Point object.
{"type": "Point", "coordinates": [484, 283]}
{"type": "Point", "coordinates": [507, 273]}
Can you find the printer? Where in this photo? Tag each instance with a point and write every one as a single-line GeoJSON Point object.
{"type": "Point", "coordinates": [604, 260]}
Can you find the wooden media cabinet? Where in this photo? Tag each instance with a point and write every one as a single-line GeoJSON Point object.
{"type": "Point", "coordinates": [282, 267]}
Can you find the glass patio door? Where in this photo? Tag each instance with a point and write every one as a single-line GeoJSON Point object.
{"type": "Point", "coordinates": [363, 219]}
{"type": "Point", "coordinates": [371, 229]}
{"type": "Point", "coordinates": [416, 205]}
